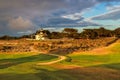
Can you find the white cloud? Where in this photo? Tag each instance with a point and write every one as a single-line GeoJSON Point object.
{"type": "Point", "coordinates": [20, 24]}
{"type": "Point", "coordinates": [111, 15]}
{"type": "Point", "coordinates": [26, 32]}
{"type": "Point", "coordinates": [113, 7]}
{"type": "Point", "coordinates": [74, 16]}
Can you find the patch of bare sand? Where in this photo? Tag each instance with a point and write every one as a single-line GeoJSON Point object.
{"type": "Point", "coordinates": [100, 51]}
{"type": "Point", "coordinates": [97, 51]}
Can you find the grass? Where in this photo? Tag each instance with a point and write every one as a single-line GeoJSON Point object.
{"type": "Point", "coordinates": [23, 67]}
{"type": "Point", "coordinates": [94, 60]}
{"type": "Point", "coordinates": [26, 58]}
{"type": "Point", "coordinates": [8, 61]}
{"type": "Point", "coordinates": [109, 60]}
{"type": "Point", "coordinates": [82, 66]}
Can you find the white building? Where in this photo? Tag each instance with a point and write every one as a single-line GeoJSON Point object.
{"type": "Point", "coordinates": [41, 35]}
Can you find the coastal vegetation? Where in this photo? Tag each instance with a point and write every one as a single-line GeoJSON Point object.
{"type": "Point", "coordinates": [91, 54]}
{"type": "Point", "coordinates": [72, 33]}
{"type": "Point", "coordinates": [104, 64]}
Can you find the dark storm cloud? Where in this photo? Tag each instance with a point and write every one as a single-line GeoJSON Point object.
{"type": "Point", "coordinates": [39, 11]}
{"type": "Point", "coordinates": [59, 21]}
{"type": "Point", "coordinates": [108, 0]}
{"type": "Point", "coordinates": [44, 8]}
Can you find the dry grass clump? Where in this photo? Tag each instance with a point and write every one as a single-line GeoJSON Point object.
{"type": "Point", "coordinates": [54, 45]}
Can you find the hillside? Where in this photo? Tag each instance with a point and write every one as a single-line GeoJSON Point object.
{"type": "Point", "coordinates": [83, 66]}
{"type": "Point", "coordinates": [53, 45]}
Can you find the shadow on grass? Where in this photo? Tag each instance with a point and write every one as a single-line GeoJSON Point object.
{"type": "Point", "coordinates": [5, 63]}
{"type": "Point", "coordinates": [76, 73]}
{"type": "Point", "coordinates": [111, 66]}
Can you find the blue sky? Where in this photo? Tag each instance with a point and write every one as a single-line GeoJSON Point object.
{"type": "Point", "coordinates": [96, 10]}
{"type": "Point", "coordinates": [100, 8]}
{"type": "Point", "coordinates": [18, 17]}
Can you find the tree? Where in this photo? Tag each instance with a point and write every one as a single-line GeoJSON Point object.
{"type": "Point", "coordinates": [70, 30]}
{"type": "Point", "coordinates": [89, 34]}
{"type": "Point", "coordinates": [102, 32]}
{"type": "Point", "coordinates": [70, 33]}
{"type": "Point", "coordinates": [47, 32]}
{"type": "Point", "coordinates": [7, 37]}
{"type": "Point", "coordinates": [117, 32]}
{"type": "Point", "coordinates": [55, 35]}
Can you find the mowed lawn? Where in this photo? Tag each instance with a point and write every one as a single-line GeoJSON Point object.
{"type": "Point", "coordinates": [93, 65]}
{"type": "Point", "coordinates": [22, 63]}
{"type": "Point", "coordinates": [82, 66]}
{"type": "Point", "coordinates": [110, 60]}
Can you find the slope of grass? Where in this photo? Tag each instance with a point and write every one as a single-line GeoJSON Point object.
{"type": "Point", "coordinates": [23, 67]}
{"type": "Point", "coordinates": [82, 67]}
{"type": "Point", "coordinates": [111, 59]}
{"type": "Point", "coordinates": [8, 61]}
{"type": "Point", "coordinates": [93, 60]}
{"type": "Point", "coordinates": [25, 57]}
{"type": "Point", "coordinates": [32, 72]}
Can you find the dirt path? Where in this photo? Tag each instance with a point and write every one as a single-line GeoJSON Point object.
{"type": "Point", "coordinates": [61, 58]}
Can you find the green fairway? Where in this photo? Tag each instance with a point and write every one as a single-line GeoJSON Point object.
{"type": "Point", "coordinates": [81, 67]}
{"type": "Point", "coordinates": [21, 62]}
{"type": "Point", "coordinates": [110, 60]}
{"type": "Point", "coordinates": [95, 60]}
